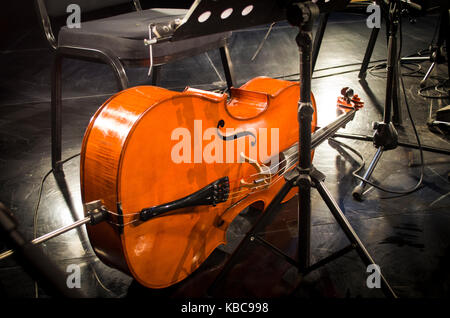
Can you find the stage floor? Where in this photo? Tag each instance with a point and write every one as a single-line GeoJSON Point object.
{"type": "Point", "coordinates": [407, 236]}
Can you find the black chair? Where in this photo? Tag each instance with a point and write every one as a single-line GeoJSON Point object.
{"type": "Point", "coordinates": [118, 41]}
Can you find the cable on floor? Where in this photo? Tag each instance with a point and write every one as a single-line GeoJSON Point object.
{"type": "Point", "coordinates": [35, 226]}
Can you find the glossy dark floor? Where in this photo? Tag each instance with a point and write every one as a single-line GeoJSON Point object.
{"type": "Point", "coordinates": [408, 236]}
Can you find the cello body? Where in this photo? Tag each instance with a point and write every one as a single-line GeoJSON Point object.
{"type": "Point", "coordinates": [147, 146]}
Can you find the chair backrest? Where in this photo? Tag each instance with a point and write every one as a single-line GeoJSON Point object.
{"type": "Point", "coordinates": [56, 8]}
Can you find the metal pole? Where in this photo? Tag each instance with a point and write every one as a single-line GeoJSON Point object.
{"type": "Point", "coordinates": [368, 54]}
{"type": "Point", "coordinates": [358, 191]}
{"type": "Point", "coordinates": [305, 112]}
{"type": "Point", "coordinates": [318, 37]}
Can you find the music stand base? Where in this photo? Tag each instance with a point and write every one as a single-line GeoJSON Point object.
{"type": "Point", "coordinates": [317, 179]}
{"type": "Point", "coordinates": [359, 189]}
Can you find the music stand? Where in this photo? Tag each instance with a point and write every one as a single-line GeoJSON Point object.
{"type": "Point", "coordinates": [208, 17]}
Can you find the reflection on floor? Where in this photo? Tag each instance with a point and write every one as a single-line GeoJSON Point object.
{"type": "Point", "coordinates": [407, 235]}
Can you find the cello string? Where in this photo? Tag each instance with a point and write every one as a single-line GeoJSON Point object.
{"type": "Point", "coordinates": [239, 189]}
{"type": "Point", "coordinates": [263, 187]}
{"type": "Point", "coordinates": [278, 164]}
{"type": "Point", "coordinates": [263, 174]}
{"type": "Point", "coordinates": [232, 194]}
{"type": "Point", "coordinates": [278, 176]}
{"type": "Point", "coordinates": [128, 223]}
{"type": "Point", "coordinates": [282, 161]}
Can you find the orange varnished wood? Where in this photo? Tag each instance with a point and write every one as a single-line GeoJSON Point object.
{"type": "Point", "coordinates": [127, 161]}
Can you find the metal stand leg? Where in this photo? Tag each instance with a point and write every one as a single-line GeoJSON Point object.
{"type": "Point", "coordinates": [227, 66]}
{"type": "Point", "coordinates": [447, 41]}
{"type": "Point", "coordinates": [56, 115]}
{"type": "Point", "coordinates": [359, 189]}
{"type": "Point", "coordinates": [396, 114]}
{"type": "Point", "coordinates": [156, 74]}
{"type": "Point", "coordinates": [401, 144]}
{"type": "Point", "coordinates": [444, 36]}
{"type": "Point", "coordinates": [259, 225]}
{"type": "Point", "coordinates": [423, 82]}
{"type": "Point", "coordinates": [385, 136]}
{"type": "Point", "coordinates": [305, 112]}
{"type": "Point", "coordinates": [368, 54]}
{"type": "Point", "coordinates": [350, 233]}
{"type": "Point", "coordinates": [56, 90]}
{"type": "Point", "coordinates": [317, 181]}
{"type": "Point", "coordinates": [318, 37]}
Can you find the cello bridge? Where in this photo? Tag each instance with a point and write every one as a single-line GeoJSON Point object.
{"type": "Point", "coordinates": [263, 171]}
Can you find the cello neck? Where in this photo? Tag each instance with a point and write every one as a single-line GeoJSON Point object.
{"type": "Point", "coordinates": [323, 133]}
{"type": "Point", "coordinates": [329, 130]}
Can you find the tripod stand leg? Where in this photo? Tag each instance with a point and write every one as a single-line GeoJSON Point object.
{"type": "Point", "coordinates": [318, 37]}
{"type": "Point", "coordinates": [396, 116]}
{"type": "Point", "coordinates": [259, 225]}
{"type": "Point", "coordinates": [447, 43]}
{"type": "Point", "coordinates": [359, 189]}
{"type": "Point", "coordinates": [400, 143]}
{"type": "Point", "coordinates": [368, 54]}
{"type": "Point", "coordinates": [448, 54]}
{"type": "Point", "coordinates": [423, 82]}
{"type": "Point", "coordinates": [304, 221]}
{"type": "Point", "coordinates": [350, 233]}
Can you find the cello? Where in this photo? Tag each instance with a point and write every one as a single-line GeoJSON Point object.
{"type": "Point", "coordinates": [160, 236]}
{"type": "Point", "coordinates": [173, 169]}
